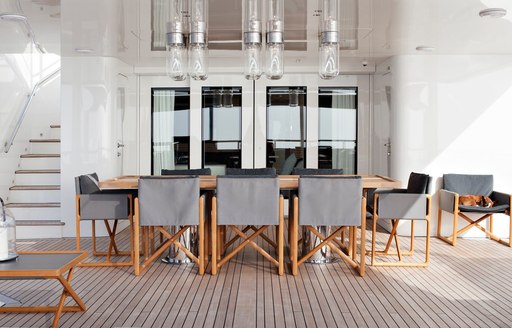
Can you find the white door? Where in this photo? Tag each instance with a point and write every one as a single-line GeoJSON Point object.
{"type": "Point", "coordinates": [382, 147]}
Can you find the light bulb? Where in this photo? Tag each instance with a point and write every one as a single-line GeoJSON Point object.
{"type": "Point", "coordinates": [252, 61]}
{"type": "Point", "coordinates": [328, 61]}
{"type": "Point", "coordinates": [274, 60]}
{"type": "Point", "coordinates": [176, 62]}
{"type": "Point", "coordinates": [198, 61]}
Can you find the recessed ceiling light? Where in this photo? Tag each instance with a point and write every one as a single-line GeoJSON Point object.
{"type": "Point", "coordinates": [493, 12]}
{"type": "Point", "coordinates": [83, 50]}
{"type": "Point", "coordinates": [425, 48]}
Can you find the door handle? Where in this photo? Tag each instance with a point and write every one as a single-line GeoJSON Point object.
{"type": "Point", "coordinates": [119, 144]}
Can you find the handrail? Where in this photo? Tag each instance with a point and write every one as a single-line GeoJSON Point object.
{"type": "Point", "coordinates": [21, 117]}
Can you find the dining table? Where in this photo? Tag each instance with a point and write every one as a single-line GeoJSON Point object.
{"type": "Point", "coordinates": [286, 182]}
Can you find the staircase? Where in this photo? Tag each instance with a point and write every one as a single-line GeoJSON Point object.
{"type": "Point", "coordinates": [34, 198]}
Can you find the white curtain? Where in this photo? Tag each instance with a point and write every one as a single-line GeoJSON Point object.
{"type": "Point", "coordinates": [163, 130]}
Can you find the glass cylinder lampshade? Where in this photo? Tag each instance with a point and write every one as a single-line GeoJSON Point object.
{"type": "Point", "coordinates": [328, 65]}
{"type": "Point", "coordinates": [252, 39]}
{"type": "Point", "coordinates": [275, 43]}
{"type": "Point", "coordinates": [176, 60]}
{"type": "Point", "coordinates": [7, 234]}
{"type": "Point", "coordinates": [198, 45]}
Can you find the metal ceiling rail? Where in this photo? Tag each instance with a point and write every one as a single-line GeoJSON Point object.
{"type": "Point", "coordinates": [21, 116]}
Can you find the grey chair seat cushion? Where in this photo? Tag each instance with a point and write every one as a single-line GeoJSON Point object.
{"type": "Point", "coordinates": [478, 209]}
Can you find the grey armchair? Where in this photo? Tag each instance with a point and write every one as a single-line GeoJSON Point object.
{"type": "Point", "coordinates": [168, 201]}
{"type": "Point", "coordinates": [91, 205]}
{"type": "Point", "coordinates": [329, 201]}
{"type": "Point", "coordinates": [455, 185]}
{"type": "Point", "coordinates": [413, 203]}
{"type": "Point", "coordinates": [248, 201]}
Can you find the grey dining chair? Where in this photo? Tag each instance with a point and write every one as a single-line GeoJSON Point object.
{"type": "Point", "coordinates": [205, 171]}
{"type": "Point", "coordinates": [257, 171]}
{"type": "Point", "coordinates": [168, 201]}
{"type": "Point", "coordinates": [330, 201]}
{"type": "Point", "coordinates": [412, 204]}
{"type": "Point", "coordinates": [247, 201]}
{"type": "Point", "coordinates": [456, 185]}
{"type": "Point", "coordinates": [92, 204]}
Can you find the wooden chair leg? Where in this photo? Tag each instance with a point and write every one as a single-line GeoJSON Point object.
{"type": "Point", "coordinates": [93, 223]}
{"type": "Point", "coordinates": [455, 225]}
{"type": "Point", "coordinates": [294, 237]}
{"type": "Point", "coordinates": [77, 222]}
{"type": "Point", "coordinates": [214, 235]}
{"type": "Point", "coordinates": [136, 246]}
{"type": "Point", "coordinates": [280, 237]}
{"type": "Point", "coordinates": [363, 238]}
{"type": "Point", "coordinates": [201, 236]}
{"type": "Point", "coordinates": [374, 234]}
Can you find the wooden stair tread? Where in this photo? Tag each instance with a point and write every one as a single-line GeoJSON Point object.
{"type": "Point", "coordinates": [44, 140]}
{"type": "Point", "coordinates": [40, 156]}
{"type": "Point", "coordinates": [24, 223]}
{"type": "Point", "coordinates": [52, 171]}
{"type": "Point", "coordinates": [35, 187]}
{"type": "Point", "coordinates": [33, 205]}
{"type": "Point", "coordinates": [55, 126]}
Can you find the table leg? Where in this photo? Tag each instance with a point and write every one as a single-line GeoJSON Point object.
{"type": "Point", "coordinates": [68, 291]}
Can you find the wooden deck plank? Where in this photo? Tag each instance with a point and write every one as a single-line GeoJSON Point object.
{"type": "Point", "coordinates": [466, 286]}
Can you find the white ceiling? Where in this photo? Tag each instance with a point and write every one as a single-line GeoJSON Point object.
{"type": "Point", "coordinates": [385, 27]}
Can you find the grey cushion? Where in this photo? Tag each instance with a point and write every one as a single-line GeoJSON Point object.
{"type": "Point", "coordinates": [330, 200]}
{"type": "Point", "coordinates": [244, 200]}
{"type": "Point", "coordinates": [206, 171]}
{"type": "Point", "coordinates": [418, 183]}
{"type": "Point", "coordinates": [402, 206]}
{"type": "Point", "coordinates": [88, 184]}
{"type": "Point", "coordinates": [299, 171]}
{"type": "Point", "coordinates": [104, 206]}
{"type": "Point", "coordinates": [259, 171]}
{"type": "Point", "coordinates": [169, 201]}
{"type": "Point", "coordinates": [465, 184]}
{"type": "Point", "coordinates": [478, 209]}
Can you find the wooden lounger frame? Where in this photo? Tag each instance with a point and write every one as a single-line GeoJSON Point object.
{"type": "Point", "coordinates": [219, 246]}
{"type": "Point", "coordinates": [393, 235]}
{"type": "Point", "coordinates": [112, 247]}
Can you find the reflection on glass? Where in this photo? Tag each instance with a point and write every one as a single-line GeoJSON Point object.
{"type": "Point", "coordinates": [337, 129]}
{"type": "Point", "coordinates": [286, 128]}
{"type": "Point", "coordinates": [222, 128]}
{"type": "Point", "coordinates": [170, 128]}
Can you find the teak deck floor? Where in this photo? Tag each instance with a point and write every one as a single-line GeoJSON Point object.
{"type": "Point", "coordinates": [468, 286]}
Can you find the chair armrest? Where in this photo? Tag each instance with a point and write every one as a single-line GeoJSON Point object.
{"type": "Point", "coordinates": [104, 206]}
{"type": "Point", "coordinates": [501, 198]}
{"type": "Point", "coordinates": [402, 206]}
{"type": "Point", "coordinates": [448, 200]}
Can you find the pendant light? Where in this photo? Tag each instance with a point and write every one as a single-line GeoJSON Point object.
{"type": "Point", "coordinates": [252, 39]}
{"type": "Point", "coordinates": [328, 44]}
{"type": "Point", "coordinates": [198, 45]}
{"type": "Point", "coordinates": [176, 61]}
{"type": "Point", "coordinates": [275, 41]}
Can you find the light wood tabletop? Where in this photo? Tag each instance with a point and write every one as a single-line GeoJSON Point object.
{"type": "Point", "coordinates": [287, 182]}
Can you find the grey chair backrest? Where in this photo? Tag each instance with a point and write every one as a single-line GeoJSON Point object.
{"type": "Point", "coordinates": [206, 171]}
{"type": "Point", "coordinates": [467, 184]}
{"type": "Point", "coordinates": [330, 200]}
{"type": "Point", "coordinates": [169, 200]}
{"type": "Point", "coordinates": [419, 183]}
{"type": "Point", "coordinates": [259, 171]}
{"type": "Point", "coordinates": [87, 184]}
{"type": "Point", "coordinates": [95, 205]}
{"type": "Point", "coordinates": [300, 171]}
{"type": "Point", "coordinates": [244, 200]}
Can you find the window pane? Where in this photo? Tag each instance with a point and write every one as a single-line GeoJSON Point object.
{"type": "Point", "coordinates": [286, 128]}
{"type": "Point", "coordinates": [337, 129]}
{"type": "Point", "coordinates": [222, 128]}
{"type": "Point", "coordinates": [170, 128]}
